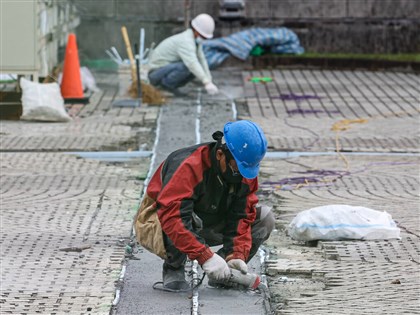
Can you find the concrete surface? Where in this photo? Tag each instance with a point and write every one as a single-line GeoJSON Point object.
{"type": "Point", "coordinates": [186, 121]}
{"type": "Point", "coordinates": [341, 277]}
{"type": "Point", "coordinates": [66, 221]}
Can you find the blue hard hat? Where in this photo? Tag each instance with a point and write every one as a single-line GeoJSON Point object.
{"type": "Point", "coordinates": [247, 143]}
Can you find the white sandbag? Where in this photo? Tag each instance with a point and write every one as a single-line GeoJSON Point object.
{"type": "Point", "coordinates": [42, 102]}
{"type": "Point", "coordinates": [338, 222]}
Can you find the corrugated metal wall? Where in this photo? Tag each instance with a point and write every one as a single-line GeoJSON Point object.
{"type": "Point", "coordinates": [368, 26]}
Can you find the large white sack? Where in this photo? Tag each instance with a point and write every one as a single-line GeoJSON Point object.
{"type": "Point", "coordinates": [42, 102]}
{"type": "Point", "coordinates": [338, 222]}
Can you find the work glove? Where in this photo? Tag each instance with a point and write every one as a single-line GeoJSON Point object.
{"type": "Point", "coordinates": [238, 264]}
{"type": "Point", "coordinates": [211, 88]}
{"type": "Point", "coordinates": [216, 268]}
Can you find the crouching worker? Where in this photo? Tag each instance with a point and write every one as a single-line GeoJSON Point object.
{"type": "Point", "coordinates": [180, 58]}
{"type": "Point", "coordinates": [205, 195]}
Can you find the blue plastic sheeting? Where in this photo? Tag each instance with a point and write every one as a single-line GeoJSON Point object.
{"type": "Point", "coordinates": [279, 40]}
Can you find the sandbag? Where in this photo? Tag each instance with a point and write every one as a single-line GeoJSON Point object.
{"type": "Point", "coordinates": [42, 102]}
{"type": "Point", "coordinates": [340, 222]}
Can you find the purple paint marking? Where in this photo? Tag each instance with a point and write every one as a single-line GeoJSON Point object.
{"type": "Point", "coordinates": [294, 97]}
{"type": "Point", "coordinates": [298, 99]}
{"type": "Point", "coordinates": [319, 178]}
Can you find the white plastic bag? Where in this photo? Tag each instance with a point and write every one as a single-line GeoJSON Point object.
{"type": "Point", "coordinates": [42, 102]}
{"type": "Point", "coordinates": [337, 222]}
{"type": "Point", "coordinates": [88, 80]}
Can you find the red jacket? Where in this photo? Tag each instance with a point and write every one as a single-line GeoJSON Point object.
{"type": "Point", "coordinates": [188, 181]}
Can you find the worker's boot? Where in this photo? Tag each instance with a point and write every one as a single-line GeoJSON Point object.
{"type": "Point", "coordinates": [173, 90]}
{"type": "Point", "coordinates": [174, 279]}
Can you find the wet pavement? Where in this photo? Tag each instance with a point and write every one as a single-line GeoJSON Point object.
{"type": "Point", "coordinates": [66, 220]}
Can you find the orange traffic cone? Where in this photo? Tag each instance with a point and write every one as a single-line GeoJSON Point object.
{"type": "Point", "coordinates": [71, 85]}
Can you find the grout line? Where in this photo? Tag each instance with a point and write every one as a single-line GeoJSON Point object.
{"type": "Point", "coordinates": [197, 119]}
{"type": "Point", "coordinates": [194, 301]}
{"type": "Point", "coordinates": [153, 159]}
{"type": "Point", "coordinates": [118, 291]}
{"type": "Point", "coordinates": [145, 184]}
{"type": "Point", "coordinates": [232, 103]}
{"type": "Point", "coordinates": [264, 288]}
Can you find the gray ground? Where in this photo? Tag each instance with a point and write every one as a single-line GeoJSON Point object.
{"type": "Point", "coordinates": [179, 127]}
{"type": "Point", "coordinates": [66, 221]}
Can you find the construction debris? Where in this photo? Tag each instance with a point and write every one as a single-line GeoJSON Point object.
{"type": "Point", "coordinates": [150, 95]}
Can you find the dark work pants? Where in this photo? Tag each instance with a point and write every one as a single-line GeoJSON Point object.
{"type": "Point", "coordinates": [260, 231]}
{"type": "Point", "coordinates": [171, 76]}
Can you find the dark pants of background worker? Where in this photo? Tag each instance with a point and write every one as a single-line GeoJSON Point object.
{"type": "Point", "coordinates": [171, 76]}
{"type": "Point", "coordinates": [260, 231]}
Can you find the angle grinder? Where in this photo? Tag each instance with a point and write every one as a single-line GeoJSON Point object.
{"type": "Point", "coordinates": [238, 280]}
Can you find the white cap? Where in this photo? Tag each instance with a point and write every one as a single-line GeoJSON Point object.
{"type": "Point", "coordinates": [204, 25]}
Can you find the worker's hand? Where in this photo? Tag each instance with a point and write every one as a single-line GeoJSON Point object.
{"type": "Point", "coordinates": [216, 268]}
{"type": "Point", "coordinates": [238, 264]}
{"type": "Point", "coordinates": [211, 88]}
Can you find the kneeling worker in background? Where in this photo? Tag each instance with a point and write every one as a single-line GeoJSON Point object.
{"type": "Point", "coordinates": [205, 195]}
{"type": "Point", "coordinates": [180, 58]}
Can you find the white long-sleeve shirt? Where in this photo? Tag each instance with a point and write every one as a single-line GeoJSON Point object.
{"type": "Point", "coordinates": [182, 47]}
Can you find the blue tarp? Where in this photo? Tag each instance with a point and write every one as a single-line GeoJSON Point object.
{"type": "Point", "coordinates": [278, 40]}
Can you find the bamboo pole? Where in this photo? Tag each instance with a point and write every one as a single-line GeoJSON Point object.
{"type": "Point", "coordinates": [129, 53]}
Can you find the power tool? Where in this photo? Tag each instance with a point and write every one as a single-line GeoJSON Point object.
{"type": "Point", "coordinates": [238, 280]}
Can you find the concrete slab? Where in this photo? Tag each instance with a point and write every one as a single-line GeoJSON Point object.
{"type": "Point", "coordinates": [65, 223]}
{"type": "Point", "coordinates": [65, 220]}
{"type": "Point", "coordinates": [53, 204]}
{"type": "Point", "coordinates": [299, 108]}
{"type": "Point", "coordinates": [184, 122]}
{"type": "Point", "coordinates": [96, 126]}
{"type": "Point", "coordinates": [138, 295]}
{"type": "Point", "coordinates": [343, 276]}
